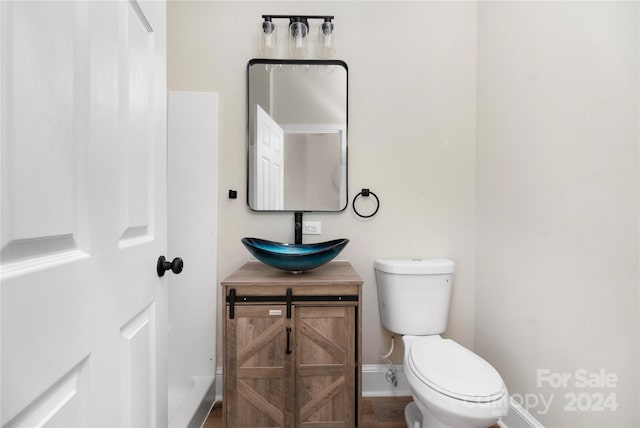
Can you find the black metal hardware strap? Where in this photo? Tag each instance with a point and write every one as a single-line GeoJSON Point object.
{"type": "Point", "coordinates": [275, 299]}
{"type": "Point", "coordinates": [288, 299]}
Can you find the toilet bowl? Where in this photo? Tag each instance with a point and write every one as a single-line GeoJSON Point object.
{"type": "Point", "coordinates": [451, 386]}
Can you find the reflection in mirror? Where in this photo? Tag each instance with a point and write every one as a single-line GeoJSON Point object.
{"type": "Point", "coordinates": [297, 135]}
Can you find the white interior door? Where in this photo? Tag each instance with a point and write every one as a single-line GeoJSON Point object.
{"type": "Point", "coordinates": [269, 162]}
{"type": "Point", "coordinates": [83, 147]}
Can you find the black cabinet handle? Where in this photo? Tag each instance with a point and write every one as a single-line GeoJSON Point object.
{"type": "Point", "coordinates": [289, 340]}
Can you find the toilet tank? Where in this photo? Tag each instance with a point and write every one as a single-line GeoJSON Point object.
{"type": "Point", "coordinates": [414, 294]}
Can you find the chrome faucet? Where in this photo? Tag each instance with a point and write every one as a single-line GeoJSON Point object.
{"type": "Point", "coordinates": [297, 216]}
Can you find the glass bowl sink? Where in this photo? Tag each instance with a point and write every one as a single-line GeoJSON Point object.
{"type": "Point", "coordinates": [294, 257]}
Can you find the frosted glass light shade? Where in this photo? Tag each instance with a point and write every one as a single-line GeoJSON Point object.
{"type": "Point", "coordinates": [298, 39]}
{"type": "Point", "coordinates": [326, 41]}
{"type": "Point", "coordinates": [268, 39]}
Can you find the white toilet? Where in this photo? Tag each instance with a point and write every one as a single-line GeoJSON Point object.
{"type": "Point", "coordinates": [452, 386]}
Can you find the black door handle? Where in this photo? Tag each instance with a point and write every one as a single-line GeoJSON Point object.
{"type": "Point", "coordinates": [163, 265]}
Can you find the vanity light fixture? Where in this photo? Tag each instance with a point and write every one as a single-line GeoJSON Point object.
{"type": "Point", "coordinates": [298, 31]}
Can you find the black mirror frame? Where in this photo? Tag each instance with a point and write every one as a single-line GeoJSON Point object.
{"type": "Point", "coordinates": [293, 62]}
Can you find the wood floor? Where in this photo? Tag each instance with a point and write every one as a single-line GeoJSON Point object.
{"type": "Point", "coordinates": [383, 412]}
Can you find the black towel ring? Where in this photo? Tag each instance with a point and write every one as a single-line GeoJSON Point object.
{"type": "Point", "coordinates": [366, 193]}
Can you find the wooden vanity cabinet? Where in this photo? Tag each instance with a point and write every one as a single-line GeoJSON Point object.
{"type": "Point", "coordinates": [292, 347]}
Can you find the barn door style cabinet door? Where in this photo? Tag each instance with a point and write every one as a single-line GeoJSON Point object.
{"type": "Point", "coordinates": [292, 347]}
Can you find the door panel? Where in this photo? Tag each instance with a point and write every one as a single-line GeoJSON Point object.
{"type": "Point", "coordinates": [42, 170]}
{"type": "Point", "coordinates": [138, 346]}
{"type": "Point", "coordinates": [257, 360]}
{"type": "Point", "coordinates": [83, 312]}
{"type": "Point", "coordinates": [64, 404]}
{"type": "Point", "coordinates": [325, 363]}
{"type": "Point", "coordinates": [136, 144]}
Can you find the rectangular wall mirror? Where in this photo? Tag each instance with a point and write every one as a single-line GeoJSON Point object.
{"type": "Point", "coordinates": [297, 151]}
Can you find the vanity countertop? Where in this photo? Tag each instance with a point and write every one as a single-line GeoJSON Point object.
{"type": "Point", "coordinates": [338, 276]}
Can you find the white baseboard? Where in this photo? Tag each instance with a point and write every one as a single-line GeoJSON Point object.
{"type": "Point", "coordinates": [218, 398]}
{"type": "Point", "coordinates": [519, 417]}
{"type": "Point", "coordinates": [375, 384]}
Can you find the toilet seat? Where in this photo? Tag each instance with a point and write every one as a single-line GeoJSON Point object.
{"type": "Point", "coordinates": [452, 370]}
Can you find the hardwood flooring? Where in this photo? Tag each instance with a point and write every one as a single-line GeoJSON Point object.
{"type": "Point", "coordinates": [214, 420]}
{"type": "Point", "coordinates": [379, 412]}
{"type": "Point", "coordinates": [382, 412]}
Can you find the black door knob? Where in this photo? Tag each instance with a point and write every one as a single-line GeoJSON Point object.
{"type": "Point", "coordinates": [163, 265]}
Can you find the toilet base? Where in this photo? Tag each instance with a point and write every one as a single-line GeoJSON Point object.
{"type": "Point", "coordinates": [418, 416]}
{"type": "Point", "coordinates": [414, 419]}
{"type": "Point", "coordinates": [412, 415]}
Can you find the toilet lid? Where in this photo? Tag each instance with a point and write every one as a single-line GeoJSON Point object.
{"type": "Point", "coordinates": [455, 371]}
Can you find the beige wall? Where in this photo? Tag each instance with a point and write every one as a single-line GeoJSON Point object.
{"type": "Point", "coordinates": [557, 202]}
{"type": "Point", "coordinates": [411, 133]}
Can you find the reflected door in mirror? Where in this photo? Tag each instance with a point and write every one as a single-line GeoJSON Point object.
{"type": "Point", "coordinates": [269, 185]}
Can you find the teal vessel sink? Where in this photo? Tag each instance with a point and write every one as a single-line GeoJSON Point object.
{"type": "Point", "coordinates": [294, 257]}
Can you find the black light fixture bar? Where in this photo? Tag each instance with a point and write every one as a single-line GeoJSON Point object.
{"type": "Point", "coordinates": [298, 16]}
